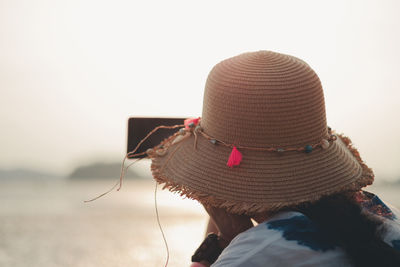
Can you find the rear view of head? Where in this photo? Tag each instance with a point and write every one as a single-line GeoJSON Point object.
{"type": "Point", "coordinates": [270, 107]}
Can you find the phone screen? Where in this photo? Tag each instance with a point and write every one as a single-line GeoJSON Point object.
{"type": "Point", "coordinates": [139, 127]}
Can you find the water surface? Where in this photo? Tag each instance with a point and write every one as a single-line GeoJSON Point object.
{"type": "Point", "coordinates": [45, 223]}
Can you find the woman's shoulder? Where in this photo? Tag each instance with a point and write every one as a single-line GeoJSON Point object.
{"type": "Point", "coordinates": [291, 239]}
{"type": "Point", "coordinates": [286, 239]}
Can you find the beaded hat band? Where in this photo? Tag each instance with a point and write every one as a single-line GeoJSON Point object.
{"type": "Point", "coordinates": [193, 125]}
{"type": "Point", "coordinates": [262, 142]}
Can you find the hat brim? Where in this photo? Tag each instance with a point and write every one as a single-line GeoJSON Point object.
{"type": "Point", "coordinates": [264, 181]}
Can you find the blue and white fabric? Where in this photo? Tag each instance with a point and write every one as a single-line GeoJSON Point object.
{"type": "Point", "coordinates": [292, 239]}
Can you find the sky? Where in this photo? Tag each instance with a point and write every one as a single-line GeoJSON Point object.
{"type": "Point", "coordinates": [73, 72]}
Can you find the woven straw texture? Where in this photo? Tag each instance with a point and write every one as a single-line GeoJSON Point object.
{"type": "Point", "coordinates": [261, 99]}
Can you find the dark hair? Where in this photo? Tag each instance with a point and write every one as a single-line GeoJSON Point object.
{"type": "Point", "coordinates": [357, 232]}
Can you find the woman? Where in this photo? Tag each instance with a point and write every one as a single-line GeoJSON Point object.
{"type": "Point", "coordinates": [262, 150]}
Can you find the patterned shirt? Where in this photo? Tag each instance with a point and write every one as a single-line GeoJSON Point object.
{"type": "Point", "coordinates": [292, 239]}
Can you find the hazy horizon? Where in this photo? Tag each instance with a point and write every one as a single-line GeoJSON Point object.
{"type": "Point", "coordinates": [72, 72]}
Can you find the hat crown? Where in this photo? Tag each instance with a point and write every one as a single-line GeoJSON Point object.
{"type": "Point", "coordinates": [264, 99]}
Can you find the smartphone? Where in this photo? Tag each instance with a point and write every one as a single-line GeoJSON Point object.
{"type": "Point", "coordinates": [139, 127]}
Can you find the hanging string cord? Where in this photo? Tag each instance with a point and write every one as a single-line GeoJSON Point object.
{"type": "Point", "coordinates": [159, 225]}
{"type": "Point", "coordinates": [155, 200]}
{"type": "Point", "coordinates": [115, 185]}
{"type": "Point", "coordinates": [132, 154]}
{"type": "Point", "coordinates": [195, 139]}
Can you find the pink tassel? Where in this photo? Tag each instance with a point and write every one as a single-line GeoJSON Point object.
{"type": "Point", "coordinates": [235, 158]}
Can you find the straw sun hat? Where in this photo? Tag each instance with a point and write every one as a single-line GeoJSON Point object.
{"type": "Point", "coordinates": [262, 142]}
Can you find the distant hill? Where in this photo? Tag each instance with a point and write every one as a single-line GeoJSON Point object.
{"type": "Point", "coordinates": [102, 170]}
{"type": "Point", "coordinates": [25, 174]}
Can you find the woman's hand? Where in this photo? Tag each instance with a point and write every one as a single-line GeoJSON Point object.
{"type": "Point", "coordinates": [229, 225]}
